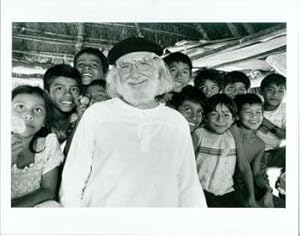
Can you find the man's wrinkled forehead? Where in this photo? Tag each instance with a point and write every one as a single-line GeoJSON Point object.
{"type": "Point", "coordinates": [136, 56]}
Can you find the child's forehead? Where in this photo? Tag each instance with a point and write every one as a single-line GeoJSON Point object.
{"type": "Point", "coordinates": [221, 107]}
{"type": "Point", "coordinates": [251, 105]}
{"type": "Point", "coordinates": [191, 102]}
{"type": "Point", "coordinates": [179, 63]}
{"type": "Point", "coordinates": [62, 80]}
{"type": "Point", "coordinates": [210, 81]}
{"type": "Point", "coordinates": [275, 85]}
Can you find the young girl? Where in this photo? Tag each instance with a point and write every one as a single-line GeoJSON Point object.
{"type": "Point", "coordinates": [36, 154]}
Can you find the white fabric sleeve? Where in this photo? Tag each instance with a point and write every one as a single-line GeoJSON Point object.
{"type": "Point", "coordinates": [189, 187]}
{"type": "Point", "coordinates": [78, 163]}
{"type": "Point", "coordinates": [55, 157]}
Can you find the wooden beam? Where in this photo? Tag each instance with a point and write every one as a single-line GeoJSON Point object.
{"type": "Point", "coordinates": [233, 29]}
{"type": "Point", "coordinates": [202, 31]}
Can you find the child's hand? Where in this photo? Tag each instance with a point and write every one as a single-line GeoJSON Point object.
{"type": "Point", "coordinates": [267, 200]}
{"type": "Point", "coordinates": [16, 147]}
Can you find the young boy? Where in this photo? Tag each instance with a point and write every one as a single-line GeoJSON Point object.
{"type": "Point", "coordinates": [235, 83]}
{"type": "Point", "coordinates": [272, 130]}
{"type": "Point", "coordinates": [63, 83]}
{"type": "Point", "coordinates": [217, 157]}
{"type": "Point", "coordinates": [190, 103]}
{"type": "Point", "coordinates": [96, 91]}
{"type": "Point", "coordinates": [180, 67]}
{"type": "Point", "coordinates": [209, 82]}
{"type": "Point", "coordinates": [249, 119]}
{"type": "Point", "coordinates": [92, 65]}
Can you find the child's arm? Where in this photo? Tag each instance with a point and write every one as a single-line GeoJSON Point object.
{"type": "Point", "coordinates": [268, 126]}
{"type": "Point", "coordinates": [261, 180]}
{"type": "Point", "coordinates": [46, 192]}
{"type": "Point", "coordinates": [244, 166]}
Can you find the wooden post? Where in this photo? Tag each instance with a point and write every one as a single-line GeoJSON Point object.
{"type": "Point", "coordinates": [80, 37]}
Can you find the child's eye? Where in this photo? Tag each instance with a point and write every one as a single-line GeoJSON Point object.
{"type": "Point", "coordinates": [214, 88]}
{"type": "Point", "coordinates": [188, 110]}
{"type": "Point", "coordinates": [19, 107]}
{"type": "Point", "coordinates": [75, 90]}
{"type": "Point", "coordinates": [186, 72]}
{"type": "Point", "coordinates": [173, 69]}
{"type": "Point", "coordinates": [39, 110]}
{"type": "Point", "coordinates": [58, 89]}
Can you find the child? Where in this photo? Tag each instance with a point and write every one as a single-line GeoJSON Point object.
{"type": "Point", "coordinates": [180, 67]}
{"type": "Point", "coordinates": [96, 91]}
{"type": "Point", "coordinates": [209, 82]}
{"type": "Point", "coordinates": [235, 83]}
{"type": "Point", "coordinates": [92, 65]}
{"type": "Point", "coordinates": [190, 102]}
{"type": "Point", "coordinates": [63, 83]}
{"type": "Point", "coordinates": [217, 157]}
{"type": "Point", "coordinates": [272, 130]}
{"type": "Point", "coordinates": [249, 119]}
{"type": "Point", "coordinates": [36, 153]}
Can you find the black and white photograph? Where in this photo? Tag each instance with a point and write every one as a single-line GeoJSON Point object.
{"type": "Point", "coordinates": [149, 126]}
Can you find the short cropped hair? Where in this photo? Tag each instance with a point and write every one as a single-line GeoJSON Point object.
{"type": "Point", "coordinates": [99, 82]}
{"type": "Point", "coordinates": [178, 57]}
{"type": "Point", "coordinates": [96, 52]}
{"type": "Point", "coordinates": [273, 79]}
{"type": "Point", "coordinates": [61, 70]}
{"type": "Point", "coordinates": [188, 93]}
{"type": "Point", "coordinates": [209, 74]}
{"type": "Point", "coordinates": [237, 76]}
{"type": "Point", "coordinates": [220, 99]}
{"type": "Point", "coordinates": [249, 98]}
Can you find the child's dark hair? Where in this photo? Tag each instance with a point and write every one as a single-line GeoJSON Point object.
{"type": "Point", "coordinates": [96, 52]}
{"type": "Point", "coordinates": [220, 99]}
{"type": "Point", "coordinates": [209, 74]}
{"type": "Point", "coordinates": [273, 79]}
{"type": "Point", "coordinates": [61, 70]}
{"type": "Point", "coordinates": [249, 98]}
{"type": "Point", "coordinates": [178, 57]}
{"type": "Point", "coordinates": [45, 130]}
{"type": "Point", "coordinates": [237, 76]}
{"type": "Point", "coordinates": [188, 93]}
{"type": "Point", "coordinates": [100, 82]}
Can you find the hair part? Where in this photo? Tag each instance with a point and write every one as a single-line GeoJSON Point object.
{"type": "Point", "coordinates": [276, 79]}
{"type": "Point", "coordinates": [96, 52]}
{"type": "Point", "coordinates": [64, 70]}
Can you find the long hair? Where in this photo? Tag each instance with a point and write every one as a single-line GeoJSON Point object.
{"type": "Point", "coordinates": [45, 130]}
{"type": "Point", "coordinates": [166, 83]}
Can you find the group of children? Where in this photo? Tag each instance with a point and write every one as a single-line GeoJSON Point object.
{"type": "Point", "coordinates": [236, 134]}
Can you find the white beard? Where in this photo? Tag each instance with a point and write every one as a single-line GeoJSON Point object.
{"type": "Point", "coordinates": [141, 94]}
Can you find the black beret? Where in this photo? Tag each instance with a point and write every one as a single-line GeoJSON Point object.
{"type": "Point", "coordinates": [132, 45]}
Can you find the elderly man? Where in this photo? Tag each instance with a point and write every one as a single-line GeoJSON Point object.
{"type": "Point", "coordinates": [131, 151]}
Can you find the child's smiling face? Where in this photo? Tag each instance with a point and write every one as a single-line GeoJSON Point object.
{"type": "Point", "coordinates": [220, 120]}
{"type": "Point", "coordinates": [251, 116]}
{"type": "Point", "coordinates": [192, 112]}
{"type": "Point", "coordinates": [273, 94]}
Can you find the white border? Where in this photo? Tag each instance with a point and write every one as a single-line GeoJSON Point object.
{"type": "Point", "coordinates": [152, 221]}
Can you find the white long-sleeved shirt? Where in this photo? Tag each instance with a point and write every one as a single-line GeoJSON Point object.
{"type": "Point", "coordinates": [122, 156]}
